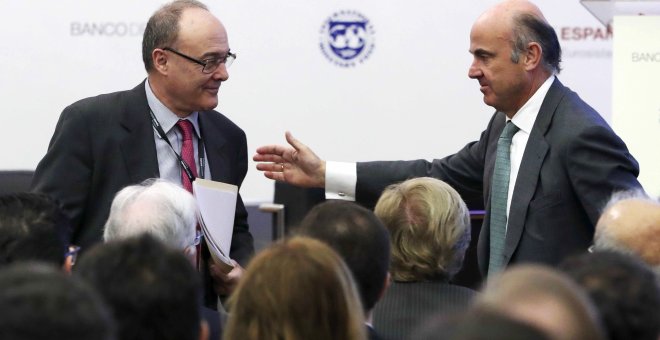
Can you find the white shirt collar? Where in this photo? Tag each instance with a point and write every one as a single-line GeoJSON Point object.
{"type": "Point", "coordinates": [165, 116]}
{"type": "Point", "coordinates": [525, 117]}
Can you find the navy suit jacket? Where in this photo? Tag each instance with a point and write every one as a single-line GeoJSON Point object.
{"type": "Point", "coordinates": [572, 163]}
{"type": "Point", "coordinates": [104, 143]}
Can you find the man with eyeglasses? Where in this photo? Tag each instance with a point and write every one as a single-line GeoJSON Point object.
{"type": "Point", "coordinates": [163, 128]}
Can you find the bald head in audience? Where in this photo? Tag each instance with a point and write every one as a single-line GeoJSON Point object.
{"type": "Point", "coordinates": [630, 224]}
{"type": "Point", "coordinates": [546, 299]}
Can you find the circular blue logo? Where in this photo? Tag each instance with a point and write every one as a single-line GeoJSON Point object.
{"type": "Point", "coordinates": [347, 38]}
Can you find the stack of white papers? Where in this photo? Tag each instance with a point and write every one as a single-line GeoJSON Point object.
{"type": "Point", "coordinates": [216, 204]}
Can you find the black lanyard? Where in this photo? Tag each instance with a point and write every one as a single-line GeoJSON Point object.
{"type": "Point", "coordinates": [184, 165]}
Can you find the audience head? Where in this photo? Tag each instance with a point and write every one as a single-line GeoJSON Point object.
{"type": "Point", "coordinates": [429, 227]}
{"type": "Point", "coordinates": [151, 289]}
{"type": "Point", "coordinates": [156, 207]}
{"type": "Point", "coordinates": [296, 289]}
{"type": "Point", "coordinates": [630, 224]}
{"type": "Point", "coordinates": [545, 298]}
{"type": "Point", "coordinates": [359, 237]}
{"type": "Point", "coordinates": [624, 290]}
{"type": "Point", "coordinates": [478, 324]}
{"type": "Point", "coordinates": [32, 228]}
{"type": "Point", "coordinates": [41, 302]}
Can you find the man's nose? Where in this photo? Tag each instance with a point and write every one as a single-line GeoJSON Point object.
{"type": "Point", "coordinates": [474, 71]}
{"type": "Point", "coordinates": [221, 73]}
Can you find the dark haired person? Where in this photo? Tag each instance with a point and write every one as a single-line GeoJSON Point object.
{"type": "Point", "coordinates": [34, 228]}
{"type": "Point", "coordinates": [151, 289]}
{"type": "Point", "coordinates": [624, 290]}
{"type": "Point", "coordinates": [41, 302]}
{"type": "Point", "coordinates": [362, 241]}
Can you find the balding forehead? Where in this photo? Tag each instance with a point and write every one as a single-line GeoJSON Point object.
{"type": "Point", "coordinates": [511, 8]}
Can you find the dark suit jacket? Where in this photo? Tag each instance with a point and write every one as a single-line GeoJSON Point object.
{"type": "Point", "coordinates": [213, 319]}
{"type": "Point", "coordinates": [104, 143]}
{"type": "Point", "coordinates": [572, 163]}
{"type": "Point", "coordinates": [406, 305]}
{"type": "Point", "coordinates": [372, 334]}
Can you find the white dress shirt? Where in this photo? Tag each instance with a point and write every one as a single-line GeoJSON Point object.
{"type": "Point", "coordinates": [168, 164]}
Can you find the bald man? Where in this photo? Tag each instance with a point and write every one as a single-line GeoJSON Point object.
{"type": "Point", "coordinates": [630, 224]}
{"type": "Point", "coordinates": [565, 160]}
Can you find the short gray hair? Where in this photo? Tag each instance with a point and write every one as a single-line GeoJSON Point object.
{"type": "Point", "coordinates": [156, 207]}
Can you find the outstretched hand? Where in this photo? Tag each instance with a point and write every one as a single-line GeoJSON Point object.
{"type": "Point", "coordinates": [297, 165]}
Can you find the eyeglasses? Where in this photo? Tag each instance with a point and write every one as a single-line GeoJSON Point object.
{"type": "Point", "coordinates": [72, 251]}
{"type": "Point", "coordinates": [209, 65]}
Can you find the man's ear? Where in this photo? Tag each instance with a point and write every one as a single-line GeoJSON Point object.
{"type": "Point", "coordinates": [159, 59]}
{"type": "Point", "coordinates": [533, 56]}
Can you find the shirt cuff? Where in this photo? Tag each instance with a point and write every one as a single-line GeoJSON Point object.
{"type": "Point", "coordinates": [340, 180]}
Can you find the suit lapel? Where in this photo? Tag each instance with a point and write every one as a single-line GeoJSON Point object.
{"type": "Point", "coordinates": [530, 168]}
{"type": "Point", "coordinates": [214, 143]}
{"type": "Point", "coordinates": [137, 144]}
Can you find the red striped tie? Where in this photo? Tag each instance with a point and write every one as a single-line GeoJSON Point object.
{"type": "Point", "coordinates": [187, 152]}
{"type": "Point", "coordinates": [188, 156]}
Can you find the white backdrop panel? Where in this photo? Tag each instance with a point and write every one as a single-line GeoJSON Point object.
{"type": "Point", "coordinates": [410, 99]}
{"type": "Point", "coordinates": [636, 115]}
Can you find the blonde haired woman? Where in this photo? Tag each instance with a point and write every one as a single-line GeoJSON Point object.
{"type": "Point", "coordinates": [297, 289]}
{"type": "Point", "coordinates": [429, 227]}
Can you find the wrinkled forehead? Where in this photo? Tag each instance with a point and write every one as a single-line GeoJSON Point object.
{"type": "Point", "coordinates": [490, 32]}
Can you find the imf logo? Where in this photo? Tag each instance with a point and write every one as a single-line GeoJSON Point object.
{"type": "Point", "coordinates": [347, 38]}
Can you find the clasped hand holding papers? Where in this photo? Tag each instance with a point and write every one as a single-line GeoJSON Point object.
{"type": "Point", "coordinates": [216, 203]}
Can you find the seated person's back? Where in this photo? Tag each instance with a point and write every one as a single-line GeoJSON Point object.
{"type": "Point", "coordinates": [429, 229]}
